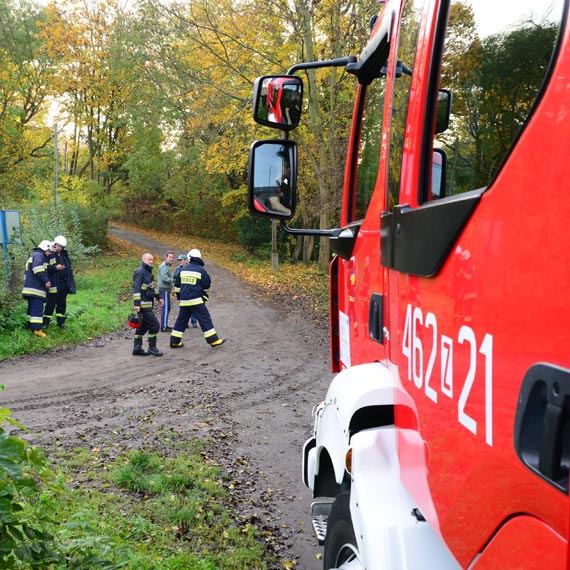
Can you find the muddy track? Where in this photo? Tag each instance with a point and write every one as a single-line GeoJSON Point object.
{"type": "Point", "coordinates": [252, 397]}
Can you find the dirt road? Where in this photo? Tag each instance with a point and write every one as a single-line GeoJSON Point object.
{"type": "Point", "coordinates": [253, 396]}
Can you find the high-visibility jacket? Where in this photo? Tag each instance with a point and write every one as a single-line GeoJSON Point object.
{"type": "Point", "coordinates": [36, 275]}
{"type": "Point", "coordinates": [194, 282]}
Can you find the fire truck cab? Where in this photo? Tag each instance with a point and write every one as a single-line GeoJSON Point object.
{"type": "Point", "coordinates": [443, 441]}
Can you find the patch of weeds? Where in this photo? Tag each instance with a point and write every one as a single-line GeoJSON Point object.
{"type": "Point", "coordinates": [167, 512]}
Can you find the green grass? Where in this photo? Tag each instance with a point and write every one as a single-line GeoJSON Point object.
{"type": "Point", "coordinates": [158, 512]}
{"type": "Point", "coordinates": [102, 304]}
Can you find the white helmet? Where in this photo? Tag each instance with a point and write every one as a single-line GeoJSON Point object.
{"type": "Point", "coordinates": [45, 245]}
{"type": "Point", "coordinates": [194, 253]}
{"type": "Point", "coordinates": [60, 240]}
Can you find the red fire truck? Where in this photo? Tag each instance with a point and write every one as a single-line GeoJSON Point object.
{"type": "Point", "coordinates": [443, 441]}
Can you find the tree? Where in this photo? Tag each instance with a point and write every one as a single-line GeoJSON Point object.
{"type": "Point", "coordinates": [24, 78]}
{"type": "Point", "coordinates": [93, 84]}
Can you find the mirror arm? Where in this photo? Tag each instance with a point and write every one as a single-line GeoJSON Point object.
{"type": "Point", "coordinates": [296, 232]}
{"type": "Point", "coordinates": [338, 62]}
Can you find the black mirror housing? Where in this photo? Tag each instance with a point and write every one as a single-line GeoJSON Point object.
{"type": "Point", "coordinates": [272, 177]}
{"type": "Point", "coordinates": [277, 101]}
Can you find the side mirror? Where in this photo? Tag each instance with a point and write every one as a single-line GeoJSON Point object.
{"type": "Point", "coordinates": [443, 111]}
{"type": "Point", "coordinates": [277, 101]}
{"type": "Point", "coordinates": [271, 180]}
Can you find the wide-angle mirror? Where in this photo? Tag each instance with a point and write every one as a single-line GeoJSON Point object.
{"type": "Point", "coordinates": [277, 101]}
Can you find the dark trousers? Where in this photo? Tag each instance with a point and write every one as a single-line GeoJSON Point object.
{"type": "Point", "coordinates": [57, 301]}
{"type": "Point", "coordinates": [35, 312]}
{"type": "Point", "coordinates": [193, 319]}
{"type": "Point", "coordinates": [202, 315]}
{"type": "Point", "coordinates": [149, 324]}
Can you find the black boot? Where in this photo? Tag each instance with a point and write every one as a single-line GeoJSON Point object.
{"type": "Point", "coordinates": [47, 321]}
{"type": "Point", "coordinates": [152, 348]}
{"type": "Point", "coordinates": [61, 322]}
{"type": "Point", "coordinates": [138, 349]}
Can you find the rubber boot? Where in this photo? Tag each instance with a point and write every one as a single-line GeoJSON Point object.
{"type": "Point", "coordinates": [61, 322]}
{"type": "Point", "coordinates": [152, 348]}
{"type": "Point", "coordinates": [138, 349]}
{"type": "Point", "coordinates": [176, 342]}
{"type": "Point", "coordinates": [47, 321]}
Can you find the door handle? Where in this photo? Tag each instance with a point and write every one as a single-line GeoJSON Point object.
{"type": "Point", "coordinates": [542, 423]}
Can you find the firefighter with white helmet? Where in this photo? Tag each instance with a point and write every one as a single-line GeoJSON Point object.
{"type": "Point", "coordinates": [194, 283]}
{"type": "Point", "coordinates": [62, 285]}
{"type": "Point", "coordinates": [182, 262]}
{"type": "Point", "coordinates": [36, 285]}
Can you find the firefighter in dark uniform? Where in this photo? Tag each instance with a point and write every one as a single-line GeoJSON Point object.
{"type": "Point", "coordinates": [63, 283]}
{"type": "Point", "coordinates": [182, 262]}
{"type": "Point", "coordinates": [36, 286]}
{"type": "Point", "coordinates": [144, 294]}
{"type": "Point", "coordinates": [194, 283]}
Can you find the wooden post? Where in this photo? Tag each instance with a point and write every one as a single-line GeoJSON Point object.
{"type": "Point", "coordinates": [274, 253]}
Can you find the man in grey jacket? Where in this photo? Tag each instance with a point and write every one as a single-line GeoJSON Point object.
{"type": "Point", "coordinates": [165, 283]}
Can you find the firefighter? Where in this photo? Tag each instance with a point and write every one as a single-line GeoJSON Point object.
{"type": "Point", "coordinates": [62, 285]}
{"type": "Point", "coordinates": [143, 299]}
{"type": "Point", "coordinates": [194, 283]}
{"type": "Point", "coordinates": [36, 285]}
{"type": "Point", "coordinates": [182, 262]}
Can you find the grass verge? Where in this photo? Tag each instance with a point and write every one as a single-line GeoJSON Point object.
{"type": "Point", "coordinates": [138, 510]}
{"type": "Point", "coordinates": [161, 512]}
{"type": "Point", "coordinates": [102, 304]}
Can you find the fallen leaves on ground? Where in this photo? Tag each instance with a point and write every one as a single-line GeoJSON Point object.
{"type": "Point", "coordinates": [291, 283]}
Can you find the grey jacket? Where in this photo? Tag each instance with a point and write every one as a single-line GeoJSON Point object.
{"type": "Point", "coordinates": [165, 280]}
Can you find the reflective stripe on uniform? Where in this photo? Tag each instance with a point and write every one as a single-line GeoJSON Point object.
{"type": "Point", "coordinates": [190, 277]}
{"type": "Point", "coordinates": [146, 304]}
{"type": "Point", "coordinates": [191, 302]}
{"type": "Point", "coordinates": [33, 292]}
{"type": "Point", "coordinates": [209, 333]}
{"type": "Point", "coordinates": [177, 334]}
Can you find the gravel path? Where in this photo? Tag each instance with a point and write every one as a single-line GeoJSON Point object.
{"type": "Point", "coordinates": [254, 396]}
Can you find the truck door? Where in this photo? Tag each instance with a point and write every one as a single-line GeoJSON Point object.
{"type": "Point", "coordinates": [357, 275]}
{"type": "Point", "coordinates": [478, 319]}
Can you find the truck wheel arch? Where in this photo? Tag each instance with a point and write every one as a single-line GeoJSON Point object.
{"type": "Point", "coordinates": [359, 398]}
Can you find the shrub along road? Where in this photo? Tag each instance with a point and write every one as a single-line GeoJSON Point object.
{"type": "Point", "coordinates": [252, 398]}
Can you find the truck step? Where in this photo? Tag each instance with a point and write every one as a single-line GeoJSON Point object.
{"type": "Point", "coordinates": [320, 510]}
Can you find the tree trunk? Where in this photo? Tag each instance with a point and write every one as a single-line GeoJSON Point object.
{"type": "Point", "coordinates": [298, 248]}
{"type": "Point", "coordinates": [308, 247]}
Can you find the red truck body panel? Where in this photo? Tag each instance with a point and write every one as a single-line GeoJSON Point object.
{"type": "Point", "coordinates": [461, 341]}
